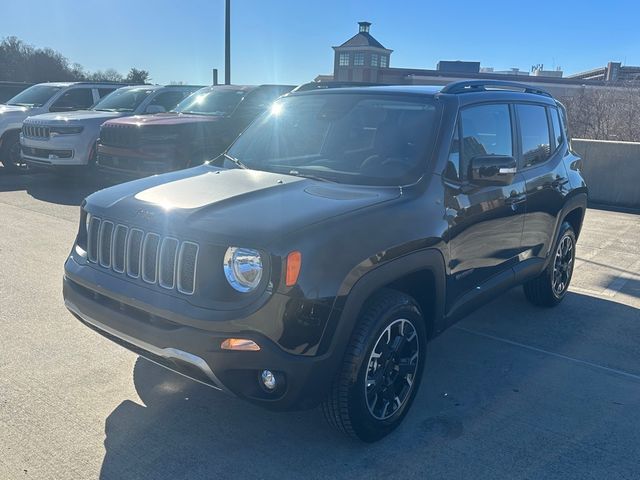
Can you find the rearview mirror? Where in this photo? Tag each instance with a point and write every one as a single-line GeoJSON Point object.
{"type": "Point", "coordinates": [155, 109]}
{"type": "Point", "coordinates": [493, 169]}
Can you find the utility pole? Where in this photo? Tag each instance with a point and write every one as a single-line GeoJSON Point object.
{"type": "Point", "coordinates": [227, 43]}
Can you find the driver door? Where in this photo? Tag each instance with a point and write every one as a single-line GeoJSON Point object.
{"type": "Point", "coordinates": [485, 221]}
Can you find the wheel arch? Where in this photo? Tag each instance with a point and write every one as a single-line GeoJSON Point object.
{"type": "Point", "coordinates": [419, 274]}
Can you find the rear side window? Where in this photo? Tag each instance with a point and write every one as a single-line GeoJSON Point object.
{"type": "Point", "coordinates": [557, 129]}
{"type": "Point", "coordinates": [486, 130]}
{"type": "Point", "coordinates": [534, 129]}
{"type": "Point", "coordinates": [74, 99]}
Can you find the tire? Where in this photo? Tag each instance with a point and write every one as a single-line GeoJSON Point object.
{"type": "Point", "coordinates": [10, 154]}
{"type": "Point", "coordinates": [550, 287]}
{"type": "Point", "coordinates": [355, 404]}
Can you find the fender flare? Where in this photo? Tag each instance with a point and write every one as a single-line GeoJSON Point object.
{"type": "Point", "coordinates": [577, 201]}
{"type": "Point", "coordinates": [343, 321]}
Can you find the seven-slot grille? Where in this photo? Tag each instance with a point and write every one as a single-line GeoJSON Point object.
{"type": "Point", "coordinates": [35, 131]}
{"type": "Point", "coordinates": [156, 259]}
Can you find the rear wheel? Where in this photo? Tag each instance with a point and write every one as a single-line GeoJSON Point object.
{"type": "Point", "coordinates": [10, 153]}
{"type": "Point", "coordinates": [381, 370]}
{"type": "Point", "coordinates": [550, 287]}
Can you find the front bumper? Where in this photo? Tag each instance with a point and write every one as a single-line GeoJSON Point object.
{"type": "Point", "coordinates": [61, 151]}
{"type": "Point", "coordinates": [196, 353]}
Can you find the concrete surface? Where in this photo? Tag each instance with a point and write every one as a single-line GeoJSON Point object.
{"type": "Point", "coordinates": [510, 392]}
{"type": "Point", "coordinates": [612, 171]}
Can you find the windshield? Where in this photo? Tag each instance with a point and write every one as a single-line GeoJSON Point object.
{"type": "Point", "coordinates": [214, 102]}
{"type": "Point", "coordinates": [35, 96]}
{"type": "Point", "coordinates": [347, 138]}
{"type": "Point", "coordinates": [123, 100]}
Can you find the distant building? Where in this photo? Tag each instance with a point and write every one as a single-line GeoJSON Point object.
{"type": "Point", "coordinates": [612, 72]}
{"type": "Point", "coordinates": [362, 58]}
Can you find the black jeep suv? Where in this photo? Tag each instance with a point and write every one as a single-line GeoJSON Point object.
{"type": "Point", "coordinates": [312, 261]}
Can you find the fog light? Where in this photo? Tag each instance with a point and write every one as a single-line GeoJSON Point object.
{"type": "Point", "coordinates": [268, 379]}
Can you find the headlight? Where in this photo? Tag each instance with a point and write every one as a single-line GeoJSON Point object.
{"type": "Point", "coordinates": [65, 130]}
{"type": "Point", "coordinates": [243, 268]}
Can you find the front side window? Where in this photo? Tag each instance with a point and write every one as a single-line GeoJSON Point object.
{"type": "Point", "coordinates": [348, 138]}
{"type": "Point", "coordinates": [167, 99]}
{"type": "Point", "coordinates": [384, 61]}
{"type": "Point", "coordinates": [74, 99]}
{"type": "Point", "coordinates": [217, 102]}
{"type": "Point", "coordinates": [374, 59]}
{"type": "Point", "coordinates": [123, 100]}
{"type": "Point", "coordinates": [358, 59]}
{"type": "Point", "coordinates": [534, 131]}
{"type": "Point", "coordinates": [344, 60]}
{"type": "Point", "coordinates": [486, 130]}
{"type": "Point", "coordinates": [34, 96]}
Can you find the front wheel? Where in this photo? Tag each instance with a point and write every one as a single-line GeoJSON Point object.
{"type": "Point", "coordinates": [382, 368]}
{"type": "Point", "coordinates": [10, 154]}
{"type": "Point", "coordinates": [551, 286]}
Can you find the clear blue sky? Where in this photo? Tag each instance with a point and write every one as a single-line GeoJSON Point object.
{"type": "Point", "coordinates": [290, 41]}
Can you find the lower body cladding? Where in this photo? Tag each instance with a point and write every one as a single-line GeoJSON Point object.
{"type": "Point", "coordinates": [270, 377]}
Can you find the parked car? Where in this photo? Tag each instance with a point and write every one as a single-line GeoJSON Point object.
{"type": "Point", "coordinates": [11, 89]}
{"type": "Point", "coordinates": [311, 263]}
{"type": "Point", "coordinates": [199, 128]}
{"type": "Point", "coordinates": [42, 98]}
{"type": "Point", "coordinates": [61, 140]}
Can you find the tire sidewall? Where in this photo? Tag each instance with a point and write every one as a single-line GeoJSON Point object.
{"type": "Point", "coordinates": [367, 427]}
{"type": "Point", "coordinates": [565, 230]}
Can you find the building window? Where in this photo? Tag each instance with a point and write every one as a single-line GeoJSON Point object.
{"type": "Point", "coordinates": [358, 59]}
{"type": "Point", "coordinates": [384, 61]}
{"type": "Point", "coordinates": [344, 60]}
{"type": "Point", "coordinates": [374, 59]}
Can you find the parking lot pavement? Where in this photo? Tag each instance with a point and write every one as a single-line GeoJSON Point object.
{"type": "Point", "coordinates": [512, 391]}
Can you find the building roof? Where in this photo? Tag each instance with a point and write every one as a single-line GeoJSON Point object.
{"type": "Point", "coordinates": [362, 39]}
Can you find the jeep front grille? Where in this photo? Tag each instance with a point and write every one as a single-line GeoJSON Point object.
{"type": "Point", "coordinates": [119, 135]}
{"type": "Point", "coordinates": [158, 260]}
{"type": "Point", "coordinates": [35, 131]}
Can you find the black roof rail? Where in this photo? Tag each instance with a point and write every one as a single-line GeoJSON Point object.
{"type": "Point", "coordinates": [468, 86]}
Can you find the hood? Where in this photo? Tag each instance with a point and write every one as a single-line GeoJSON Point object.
{"type": "Point", "coordinates": [79, 116]}
{"type": "Point", "coordinates": [165, 119]}
{"type": "Point", "coordinates": [12, 116]}
{"type": "Point", "coordinates": [5, 109]}
{"type": "Point", "coordinates": [226, 206]}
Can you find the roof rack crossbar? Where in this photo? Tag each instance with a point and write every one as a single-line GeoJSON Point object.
{"type": "Point", "coordinates": [468, 86]}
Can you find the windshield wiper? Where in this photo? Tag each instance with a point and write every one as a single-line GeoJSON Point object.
{"type": "Point", "coordinates": [235, 160]}
{"type": "Point", "coordinates": [310, 176]}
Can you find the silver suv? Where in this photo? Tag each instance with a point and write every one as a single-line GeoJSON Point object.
{"type": "Point", "coordinates": [58, 141]}
{"type": "Point", "coordinates": [42, 98]}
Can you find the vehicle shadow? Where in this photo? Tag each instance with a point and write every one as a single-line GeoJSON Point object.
{"type": "Point", "coordinates": [48, 187]}
{"type": "Point", "coordinates": [487, 408]}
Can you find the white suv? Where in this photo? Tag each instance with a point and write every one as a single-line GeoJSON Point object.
{"type": "Point", "coordinates": [69, 139]}
{"type": "Point", "coordinates": [42, 98]}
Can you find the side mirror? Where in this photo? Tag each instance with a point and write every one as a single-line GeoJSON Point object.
{"type": "Point", "coordinates": [493, 169]}
{"type": "Point", "coordinates": [155, 109]}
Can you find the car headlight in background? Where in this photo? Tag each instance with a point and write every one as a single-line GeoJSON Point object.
{"type": "Point", "coordinates": [243, 268]}
{"type": "Point", "coordinates": [65, 130]}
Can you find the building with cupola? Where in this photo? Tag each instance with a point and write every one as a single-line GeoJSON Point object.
{"type": "Point", "coordinates": [361, 58]}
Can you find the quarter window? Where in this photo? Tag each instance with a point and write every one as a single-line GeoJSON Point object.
{"type": "Point", "coordinates": [358, 59]}
{"type": "Point", "coordinates": [486, 130]}
{"type": "Point", "coordinates": [534, 129]}
{"type": "Point", "coordinates": [344, 60]}
{"type": "Point", "coordinates": [557, 129]}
